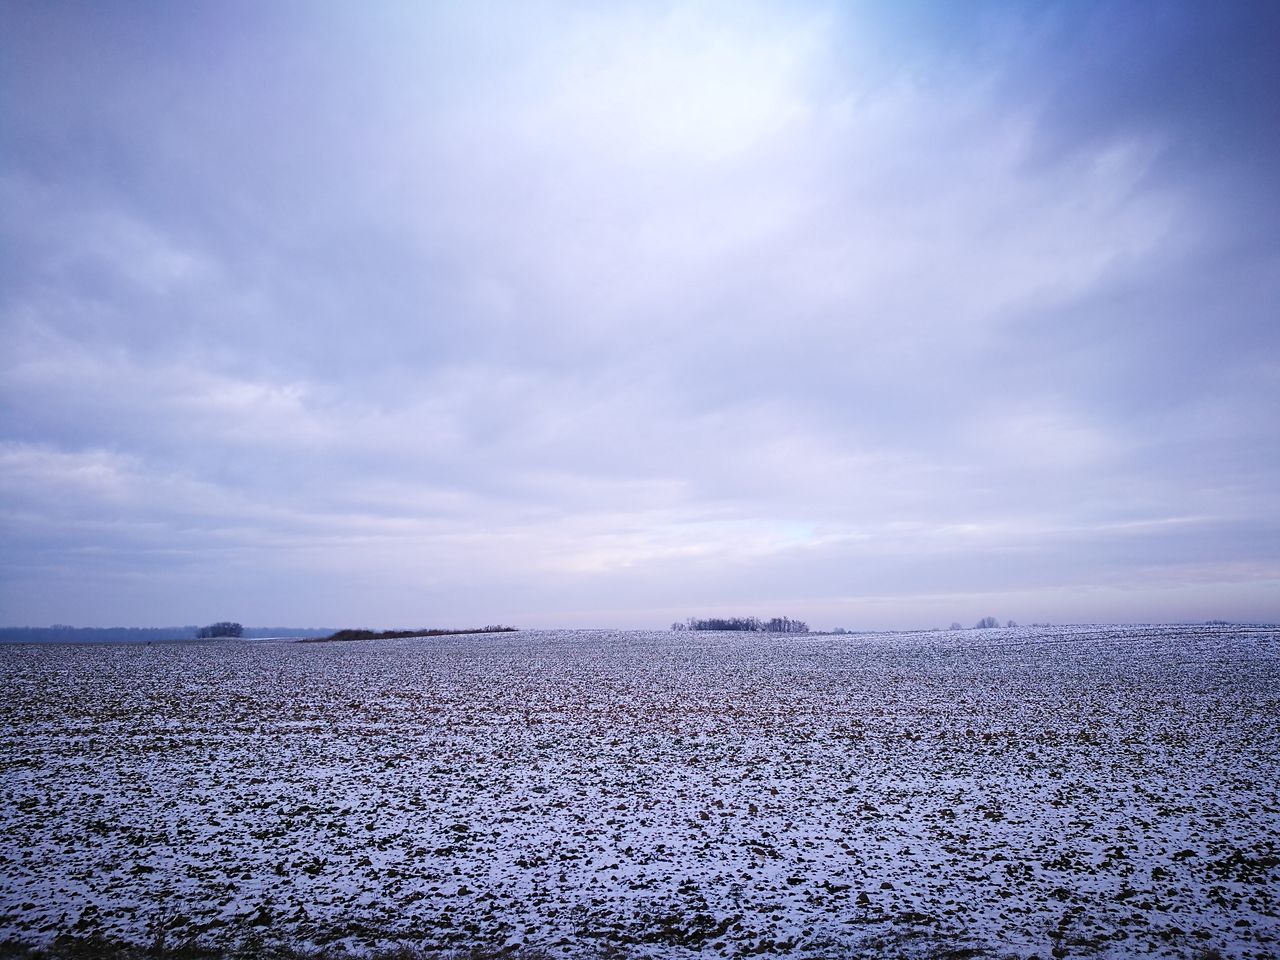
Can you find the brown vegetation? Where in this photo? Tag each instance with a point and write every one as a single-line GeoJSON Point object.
{"type": "Point", "coordinates": [343, 635]}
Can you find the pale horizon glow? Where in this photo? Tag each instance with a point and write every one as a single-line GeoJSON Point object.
{"type": "Point", "coordinates": [874, 315]}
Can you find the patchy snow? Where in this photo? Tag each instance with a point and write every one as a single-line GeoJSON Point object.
{"type": "Point", "coordinates": [1105, 790]}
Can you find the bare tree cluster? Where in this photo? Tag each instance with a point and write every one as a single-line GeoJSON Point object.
{"type": "Point", "coordinates": [224, 628]}
{"type": "Point", "coordinates": [749, 624]}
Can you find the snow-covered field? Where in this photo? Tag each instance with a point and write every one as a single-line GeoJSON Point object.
{"type": "Point", "coordinates": [1106, 790]}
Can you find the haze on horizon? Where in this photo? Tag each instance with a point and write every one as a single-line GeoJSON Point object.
{"type": "Point", "coordinates": [558, 314]}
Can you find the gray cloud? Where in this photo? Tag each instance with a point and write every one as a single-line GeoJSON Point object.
{"type": "Point", "coordinates": [874, 315]}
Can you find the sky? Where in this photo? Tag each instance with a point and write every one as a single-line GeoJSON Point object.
{"type": "Point", "coordinates": [565, 314]}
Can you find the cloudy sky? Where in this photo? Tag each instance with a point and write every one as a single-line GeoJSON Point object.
{"type": "Point", "coordinates": [574, 314]}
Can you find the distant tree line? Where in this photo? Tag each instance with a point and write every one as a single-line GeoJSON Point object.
{"type": "Point", "coordinates": [987, 623]}
{"type": "Point", "coordinates": [748, 624]}
{"type": "Point", "coordinates": [61, 633]}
